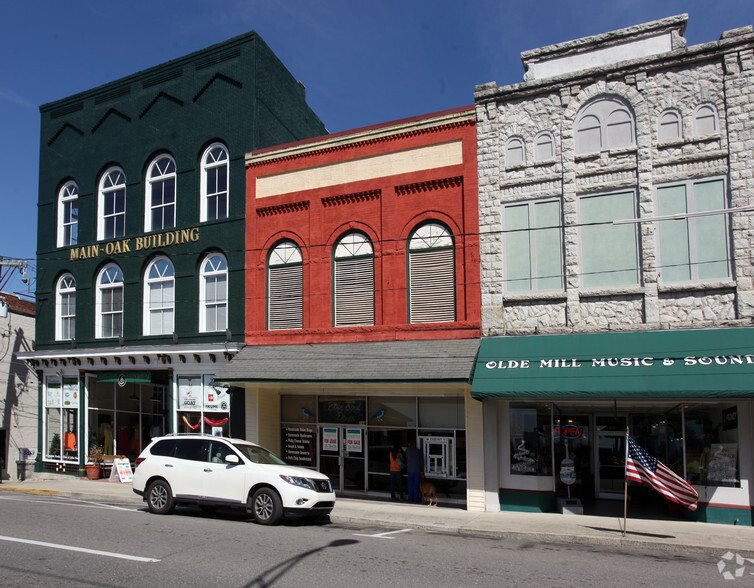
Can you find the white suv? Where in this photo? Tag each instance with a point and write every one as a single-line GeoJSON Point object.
{"type": "Point", "coordinates": [218, 471]}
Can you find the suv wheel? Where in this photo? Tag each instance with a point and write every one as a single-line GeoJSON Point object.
{"type": "Point", "coordinates": [266, 506]}
{"type": "Point", "coordinates": [160, 497]}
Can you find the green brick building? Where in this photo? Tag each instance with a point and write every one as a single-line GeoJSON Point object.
{"type": "Point", "coordinates": [140, 255]}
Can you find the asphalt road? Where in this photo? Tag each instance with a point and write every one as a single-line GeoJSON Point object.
{"type": "Point", "coordinates": [48, 541]}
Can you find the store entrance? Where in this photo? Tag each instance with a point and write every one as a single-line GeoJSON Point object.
{"type": "Point", "coordinates": [342, 457]}
{"type": "Point", "coordinates": [610, 459]}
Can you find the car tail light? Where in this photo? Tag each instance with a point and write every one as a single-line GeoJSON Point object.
{"type": "Point", "coordinates": [138, 461]}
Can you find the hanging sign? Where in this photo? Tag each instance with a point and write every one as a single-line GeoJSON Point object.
{"type": "Point", "coordinates": [330, 440]}
{"type": "Point", "coordinates": [567, 472]}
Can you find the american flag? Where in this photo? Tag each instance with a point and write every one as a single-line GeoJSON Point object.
{"type": "Point", "coordinates": [645, 469]}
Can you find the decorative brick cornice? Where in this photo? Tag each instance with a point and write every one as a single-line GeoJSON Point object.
{"type": "Point", "coordinates": [283, 208]}
{"type": "Point", "coordinates": [429, 186]}
{"type": "Point", "coordinates": [349, 141]}
{"type": "Point", "coordinates": [354, 198]}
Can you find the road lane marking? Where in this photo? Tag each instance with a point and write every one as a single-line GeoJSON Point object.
{"type": "Point", "coordinates": [79, 549]}
{"type": "Point", "coordinates": [383, 535]}
{"type": "Point", "coordinates": [60, 500]}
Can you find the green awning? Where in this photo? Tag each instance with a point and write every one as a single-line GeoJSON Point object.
{"type": "Point", "coordinates": [713, 363]}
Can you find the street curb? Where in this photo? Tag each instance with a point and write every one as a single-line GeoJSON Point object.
{"type": "Point", "coordinates": [31, 490]}
{"type": "Point", "coordinates": [614, 542]}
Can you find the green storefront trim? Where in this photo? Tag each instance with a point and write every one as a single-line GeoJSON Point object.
{"type": "Point", "coordinates": [522, 501]}
{"type": "Point", "coordinates": [715, 363]}
{"type": "Point", "coordinates": [722, 515]}
{"type": "Point", "coordinates": [125, 377]}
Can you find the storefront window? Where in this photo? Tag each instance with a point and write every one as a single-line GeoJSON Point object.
{"type": "Point", "coordinates": [345, 410]}
{"type": "Point", "coordinates": [442, 412]}
{"type": "Point", "coordinates": [61, 416]}
{"type": "Point", "coordinates": [531, 453]}
{"type": "Point", "coordinates": [379, 423]}
{"type": "Point", "coordinates": [124, 416]}
{"type": "Point", "coordinates": [392, 412]}
{"type": "Point", "coordinates": [712, 444]}
{"type": "Point", "coordinates": [298, 409]}
{"type": "Point", "coordinates": [202, 406]}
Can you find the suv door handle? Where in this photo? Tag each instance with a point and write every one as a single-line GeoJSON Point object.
{"type": "Point", "coordinates": [207, 469]}
{"type": "Point", "coordinates": [168, 465]}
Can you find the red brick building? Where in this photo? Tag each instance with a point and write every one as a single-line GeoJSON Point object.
{"type": "Point", "coordinates": [382, 183]}
{"type": "Point", "coordinates": [363, 299]}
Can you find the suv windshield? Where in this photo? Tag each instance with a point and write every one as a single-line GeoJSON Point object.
{"type": "Point", "coordinates": [258, 454]}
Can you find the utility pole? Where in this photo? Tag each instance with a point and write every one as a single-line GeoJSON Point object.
{"type": "Point", "coordinates": [8, 267]}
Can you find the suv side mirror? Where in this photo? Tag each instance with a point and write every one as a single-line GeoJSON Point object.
{"type": "Point", "coordinates": [232, 458]}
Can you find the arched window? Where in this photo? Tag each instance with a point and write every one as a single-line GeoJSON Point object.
{"type": "Point", "coordinates": [285, 287]}
{"type": "Point", "coordinates": [214, 188]}
{"type": "Point", "coordinates": [159, 297]}
{"type": "Point", "coordinates": [705, 120]}
{"type": "Point", "coordinates": [669, 126]}
{"type": "Point", "coordinates": [109, 303]}
{"type": "Point", "coordinates": [111, 218]}
{"type": "Point", "coordinates": [65, 306]}
{"type": "Point", "coordinates": [68, 214]}
{"type": "Point", "coordinates": [213, 294]}
{"type": "Point", "coordinates": [544, 146]}
{"type": "Point", "coordinates": [161, 195]}
{"type": "Point", "coordinates": [431, 268]}
{"type": "Point", "coordinates": [603, 124]}
{"type": "Point", "coordinates": [515, 152]}
{"type": "Point", "coordinates": [353, 281]}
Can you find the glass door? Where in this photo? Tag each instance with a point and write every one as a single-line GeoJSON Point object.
{"type": "Point", "coordinates": [342, 457]}
{"type": "Point", "coordinates": [611, 459]}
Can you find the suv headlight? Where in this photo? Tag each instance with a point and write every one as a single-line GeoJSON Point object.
{"type": "Point", "coordinates": [301, 482]}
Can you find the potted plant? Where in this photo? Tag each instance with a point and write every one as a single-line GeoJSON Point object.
{"type": "Point", "coordinates": [96, 456]}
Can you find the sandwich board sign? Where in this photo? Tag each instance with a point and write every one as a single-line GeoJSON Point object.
{"type": "Point", "coordinates": [121, 471]}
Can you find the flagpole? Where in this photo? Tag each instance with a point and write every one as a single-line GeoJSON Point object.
{"type": "Point", "coordinates": [625, 486]}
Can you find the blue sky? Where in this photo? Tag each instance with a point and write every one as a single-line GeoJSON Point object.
{"type": "Point", "coordinates": [362, 63]}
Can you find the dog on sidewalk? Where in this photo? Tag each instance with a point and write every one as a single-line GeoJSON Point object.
{"type": "Point", "coordinates": [428, 491]}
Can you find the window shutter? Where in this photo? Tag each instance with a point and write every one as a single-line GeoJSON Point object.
{"type": "Point", "coordinates": [286, 301]}
{"type": "Point", "coordinates": [432, 286]}
{"type": "Point", "coordinates": [354, 291]}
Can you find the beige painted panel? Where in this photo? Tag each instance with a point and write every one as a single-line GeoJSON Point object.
{"type": "Point", "coordinates": [268, 419]}
{"type": "Point", "coordinates": [368, 168]}
{"type": "Point", "coordinates": [475, 495]}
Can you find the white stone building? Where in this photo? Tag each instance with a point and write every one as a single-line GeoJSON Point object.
{"type": "Point", "coordinates": [616, 204]}
{"type": "Point", "coordinates": [18, 385]}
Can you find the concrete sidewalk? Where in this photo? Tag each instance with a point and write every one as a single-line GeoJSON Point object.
{"type": "Point", "coordinates": [668, 535]}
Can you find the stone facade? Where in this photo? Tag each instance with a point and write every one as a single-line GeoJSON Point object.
{"type": "Point", "coordinates": [651, 82]}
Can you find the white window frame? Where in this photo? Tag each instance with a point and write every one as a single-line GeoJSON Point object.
{"type": "Point", "coordinates": [603, 232]}
{"type": "Point", "coordinates": [693, 225]}
{"type": "Point", "coordinates": [515, 151]}
{"type": "Point", "coordinates": [353, 281]}
{"type": "Point", "coordinates": [213, 276]}
{"type": "Point", "coordinates": [112, 181]}
{"type": "Point", "coordinates": [705, 115]}
{"type": "Point", "coordinates": [531, 283]}
{"type": "Point", "coordinates": [285, 287]}
{"type": "Point", "coordinates": [107, 284]}
{"type": "Point", "coordinates": [65, 308]}
{"type": "Point", "coordinates": [431, 274]}
{"type": "Point", "coordinates": [68, 214]}
{"type": "Point", "coordinates": [159, 297]}
{"type": "Point", "coordinates": [600, 115]}
{"type": "Point", "coordinates": [669, 125]}
{"type": "Point", "coordinates": [215, 157]}
{"type": "Point", "coordinates": [160, 173]}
